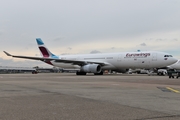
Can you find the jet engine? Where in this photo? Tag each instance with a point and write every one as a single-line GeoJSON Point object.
{"type": "Point", "coordinates": [91, 68]}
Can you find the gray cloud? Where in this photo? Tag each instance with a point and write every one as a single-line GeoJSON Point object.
{"type": "Point", "coordinates": [150, 39]}
{"type": "Point", "coordinates": [66, 23]}
{"type": "Point", "coordinates": [69, 48]}
{"type": "Point", "coordinates": [143, 44]}
{"type": "Point", "coordinates": [113, 48]}
{"type": "Point", "coordinates": [165, 39]}
{"type": "Point", "coordinates": [84, 21]}
{"type": "Point", "coordinates": [175, 39]}
{"type": "Point", "coordinates": [159, 39]}
{"type": "Point", "coordinates": [95, 51]}
{"type": "Point", "coordinates": [59, 39]}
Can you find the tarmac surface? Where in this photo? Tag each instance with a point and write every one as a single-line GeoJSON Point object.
{"type": "Point", "coordinates": [65, 96]}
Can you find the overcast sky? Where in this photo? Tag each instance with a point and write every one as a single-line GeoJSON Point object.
{"type": "Point", "coordinates": [87, 26]}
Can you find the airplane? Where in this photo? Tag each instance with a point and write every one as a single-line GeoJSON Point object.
{"type": "Point", "coordinates": [97, 63]}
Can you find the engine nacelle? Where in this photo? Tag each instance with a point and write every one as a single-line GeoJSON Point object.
{"type": "Point", "coordinates": [91, 68]}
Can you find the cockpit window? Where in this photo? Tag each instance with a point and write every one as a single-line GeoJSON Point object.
{"type": "Point", "coordinates": [168, 56]}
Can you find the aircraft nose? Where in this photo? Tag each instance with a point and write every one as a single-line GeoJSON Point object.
{"type": "Point", "coordinates": [174, 60]}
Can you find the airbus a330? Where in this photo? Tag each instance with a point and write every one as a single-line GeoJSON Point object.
{"type": "Point", "coordinates": [97, 63]}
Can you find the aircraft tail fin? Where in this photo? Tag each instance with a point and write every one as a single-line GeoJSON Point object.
{"type": "Point", "coordinates": [44, 50]}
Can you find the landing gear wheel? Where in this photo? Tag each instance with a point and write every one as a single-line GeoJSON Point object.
{"type": "Point", "coordinates": [80, 73]}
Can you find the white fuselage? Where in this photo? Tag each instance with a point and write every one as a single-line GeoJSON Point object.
{"type": "Point", "coordinates": [123, 60]}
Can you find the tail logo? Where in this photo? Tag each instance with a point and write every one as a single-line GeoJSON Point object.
{"type": "Point", "coordinates": [44, 50]}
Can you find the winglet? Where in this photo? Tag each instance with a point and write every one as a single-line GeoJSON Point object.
{"type": "Point", "coordinates": [7, 53]}
{"type": "Point", "coordinates": [39, 41]}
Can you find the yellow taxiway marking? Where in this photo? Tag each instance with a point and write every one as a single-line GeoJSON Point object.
{"type": "Point", "coordinates": [176, 91]}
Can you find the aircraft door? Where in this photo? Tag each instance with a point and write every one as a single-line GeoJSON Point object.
{"type": "Point", "coordinates": [154, 57]}
{"type": "Point", "coordinates": [119, 57]}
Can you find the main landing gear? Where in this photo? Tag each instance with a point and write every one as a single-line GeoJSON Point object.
{"type": "Point", "coordinates": [80, 73]}
{"type": "Point", "coordinates": [84, 73]}
{"type": "Point", "coordinates": [101, 73]}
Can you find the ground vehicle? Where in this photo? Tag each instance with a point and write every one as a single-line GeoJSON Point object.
{"type": "Point", "coordinates": [173, 73]}
{"type": "Point", "coordinates": [162, 72]}
{"type": "Point", "coordinates": [34, 72]}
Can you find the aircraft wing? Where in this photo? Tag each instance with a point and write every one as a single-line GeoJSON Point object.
{"type": "Point", "coordinates": [74, 62]}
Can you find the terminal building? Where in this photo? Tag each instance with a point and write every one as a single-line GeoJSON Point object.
{"type": "Point", "coordinates": [10, 70]}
